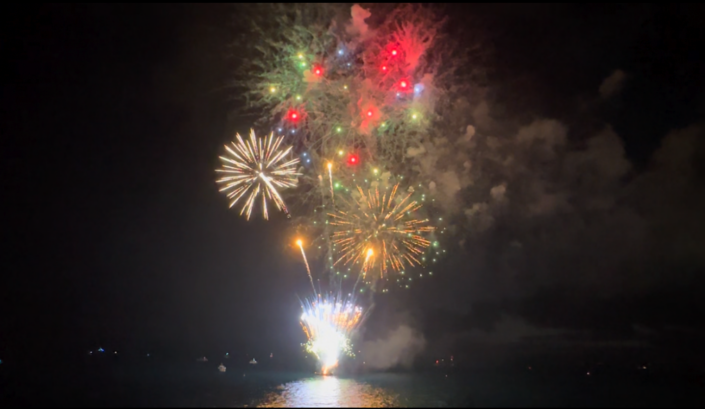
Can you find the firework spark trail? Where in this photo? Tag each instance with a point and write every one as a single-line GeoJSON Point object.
{"type": "Point", "coordinates": [330, 177]}
{"type": "Point", "coordinates": [382, 224]}
{"type": "Point", "coordinates": [257, 166]}
{"type": "Point", "coordinates": [326, 233]}
{"type": "Point", "coordinates": [328, 323]}
{"type": "Point", "coordinates": [363, 271]}
{"type": "Point", "coordinates": [308, 269]}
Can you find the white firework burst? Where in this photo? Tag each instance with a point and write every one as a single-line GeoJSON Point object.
{"type": "Point", "coordinates": [257, 168]}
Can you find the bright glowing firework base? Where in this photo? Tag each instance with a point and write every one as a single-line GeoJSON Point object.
{"type": "Point", "coordinates": [329, 323]}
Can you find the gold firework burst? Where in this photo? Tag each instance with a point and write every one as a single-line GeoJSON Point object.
{"type": "Point", "coordinates": [381, 223]}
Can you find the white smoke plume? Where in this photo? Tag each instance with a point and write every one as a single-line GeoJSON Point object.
{"type": "Point", "coordinates": [358, 27]}
{"type": "Point", "coordinates": [397, 349]}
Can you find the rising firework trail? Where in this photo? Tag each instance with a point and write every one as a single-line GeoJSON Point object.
{"type": "Point", "coordinates": [365, 266]}
{"type": "Point", "coordinates": [308, 269]}
{"type": "Point", "coordinates": [330, 177]}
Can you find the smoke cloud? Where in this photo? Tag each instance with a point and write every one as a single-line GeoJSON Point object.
{"type": "Point", "coordinates": [397, 349]}
{"type": "Point", "coordinates": [357, 26]}
{"type": "Point", "coordinates": [545, 206]}
{"type": "Point", "coordinates": [565, 200]}
{"type": "Point", "coordinates": [612, 85]}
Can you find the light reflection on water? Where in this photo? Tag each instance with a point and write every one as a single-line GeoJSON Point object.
{"type": "Point", "coordinates": [329, 391]}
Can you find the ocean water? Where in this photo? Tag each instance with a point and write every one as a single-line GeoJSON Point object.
{"type": "Point", "coordinates": [481, 389]}
{"type": "Point", "coordinates": [201, 385]}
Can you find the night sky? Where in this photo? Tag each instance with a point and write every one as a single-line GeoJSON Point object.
{"type": "Point", "coordinates": [114, 117]}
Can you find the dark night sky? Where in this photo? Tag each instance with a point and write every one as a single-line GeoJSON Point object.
{"type": "Point", "coordinates": [113, 120]}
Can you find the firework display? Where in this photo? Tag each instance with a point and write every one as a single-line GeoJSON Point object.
{"type": "Point", "coordinates": [257, 168]}
{"type": "Point", "coordinates": [350, 102]}
{"type": "Point", "coordinates": [352, 105]}
{"type": "Point", "coordinates": [384, 224]}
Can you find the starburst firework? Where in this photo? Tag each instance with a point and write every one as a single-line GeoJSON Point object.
{"type": "Point", "coordinates": [384, 224]}
{"type": "Point", "coordinates": [255, 168]}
